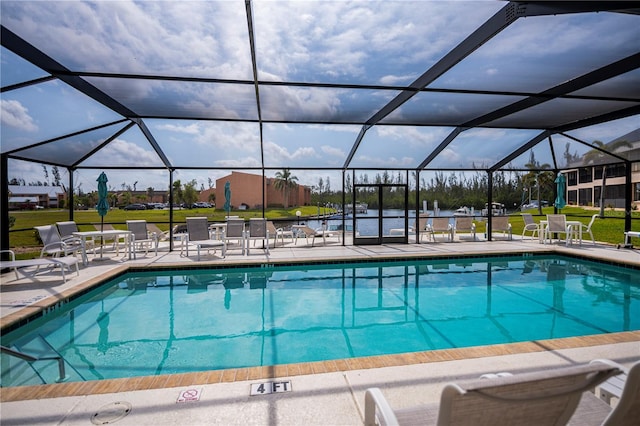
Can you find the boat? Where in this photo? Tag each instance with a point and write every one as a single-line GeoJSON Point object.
{"type": "Point", "coordinates": [463, 211]}
{"type": "Point", "coordinates": [359, 208]}
{"type": "Point", "coordinates": [497, 209]}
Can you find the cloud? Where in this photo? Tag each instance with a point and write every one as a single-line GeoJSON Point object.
{"type": "Point", "coordinates": [14, 114]}
{"type": "Point", "coordinates": [189, 129]}
{"type": "Point", "coordinates": [156, 37]}
{"type": "Point", "coordinates": [392, 162]}
{"type": "Point", "coordinates": [273, 150]}
{"type": "Point", "coordinates": [333, 151]}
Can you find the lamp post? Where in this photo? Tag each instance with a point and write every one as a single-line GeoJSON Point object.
{"type": "Point", "coordinates": [298, 214]}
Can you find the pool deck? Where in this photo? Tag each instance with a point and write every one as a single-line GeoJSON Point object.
{"type": "Point", "coordinates": [323, 393]}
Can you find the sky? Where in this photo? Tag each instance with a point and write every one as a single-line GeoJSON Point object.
{"type": "Point", "coordinates": [371, 43]}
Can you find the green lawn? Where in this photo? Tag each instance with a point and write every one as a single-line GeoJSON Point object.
{"type": "Point", "coordinates": [22, 235]}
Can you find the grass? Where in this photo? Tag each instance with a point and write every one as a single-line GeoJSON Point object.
{"type": "Point", "coordinates": [23, 237]}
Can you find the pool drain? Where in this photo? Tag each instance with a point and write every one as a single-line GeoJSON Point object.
{"type": "Point", "coordinates": [111, 413]}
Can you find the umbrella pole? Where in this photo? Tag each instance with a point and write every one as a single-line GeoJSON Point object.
{"type": "Point", "coordinates": [98, 259]}
{"type": "Point", "coordinates": [101, 237]}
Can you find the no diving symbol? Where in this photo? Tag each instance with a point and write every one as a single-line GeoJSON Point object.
{"type": "Point", "coordinates": [189, 395]}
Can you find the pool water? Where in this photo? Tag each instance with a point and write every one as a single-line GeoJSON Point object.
{"type": "Point", "coordinates": [165, 322]}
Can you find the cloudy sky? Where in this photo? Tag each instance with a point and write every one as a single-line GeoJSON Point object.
{"type": "Point", "coordinates": [357, 43]}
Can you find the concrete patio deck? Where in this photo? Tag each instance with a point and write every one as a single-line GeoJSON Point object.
{"type": "Point", "coordinates": [329, 393]}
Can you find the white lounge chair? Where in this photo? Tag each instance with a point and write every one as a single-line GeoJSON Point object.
{"type": "Point", "coordinates": [198, 235]}
{"type": "Point", "coordinates": [278, 233]}
{"type": "Point", "coordinates": [313, 233]}
{"type": "Point", "coordinates": [55, 246]}
{"type": "Point", "coordinates": [547, 397]}
{"type": "Point", "coordinates": [63, 262]}
{"type": "Point", "coordinates": [141, 238]}
{"type": "Point", "coordinates": [626, 388]}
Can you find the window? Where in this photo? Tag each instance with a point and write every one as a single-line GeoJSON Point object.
{"type": "Point", "coordinates": [572, 178]}
{"type": "Point", "coordinates": [585, 197]}
{"type": "Point", "coordinates": [585, 175]}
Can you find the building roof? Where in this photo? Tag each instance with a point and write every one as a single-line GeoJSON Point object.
{"type": "Point", "coordinates": [50, 191]}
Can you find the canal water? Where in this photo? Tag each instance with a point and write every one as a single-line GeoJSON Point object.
{"type": "Point", "coordinates": [394, 219]}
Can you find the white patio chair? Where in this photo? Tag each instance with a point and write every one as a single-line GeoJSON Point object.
{"type": "Point", "coordinates": [141, 238]}
{"type": "Point", "coordinates": [55, 246]}
{"type": "Point", "coordinates": [501, 224]}
{"type": "Point", "coordinates": [257, 232]}
{"type": "Point", "coordinates": [557, 224]}
{"type": "Point", "coordinates": [198, 235]}
{"type": "Point", "coordinates": [464, 224]}
{"type": "Point", "coordinates": [66, 230]}
{"type": "Point", "coordinates": [530, 225]}
{"type": "Point", "coordinates": [587, 229]}
{"type": "Point", "coordinates": [235, 232]}
{"type": "Point", "coordinates": [440, 225]}
{"type": "Point", "coordinates": [545, 397]}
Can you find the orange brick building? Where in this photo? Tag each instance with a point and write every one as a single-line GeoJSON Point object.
{"type": "Point", "coordinates": [246, 189]}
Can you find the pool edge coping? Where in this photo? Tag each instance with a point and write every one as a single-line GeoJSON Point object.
{"type": "Point", "coordinates": [143, 383]}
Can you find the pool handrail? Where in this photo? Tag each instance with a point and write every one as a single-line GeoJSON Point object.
{"type": "Point", "coordinates": [29, 358]}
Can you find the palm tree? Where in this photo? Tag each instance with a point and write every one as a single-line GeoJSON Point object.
{"type": "Point", "coordinates": [594, 155]}
{"type": "Point", "coordinates": [285, 182]}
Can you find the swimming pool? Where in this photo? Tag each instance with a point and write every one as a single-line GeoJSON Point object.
{"type": "Point", "coordinates": [151, 323]}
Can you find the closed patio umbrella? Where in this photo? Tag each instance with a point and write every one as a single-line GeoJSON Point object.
{"type": "Point", "coordinates": [227, 197]}
{"type": "Point", "coordinates": [103, 205]}
{"type": "Point", "coordinates": [560, 187]}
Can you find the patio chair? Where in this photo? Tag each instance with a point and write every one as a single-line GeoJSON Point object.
{"type": "Point", "coordinates": [546, 397]}
{"type": "Point", "coordinates": [55, 246]}
{"type": "Point", "coordinates": [557, 224]}
{"type": "Point", "coordinates": [501, 224]}
{"type": "Point", "coordinates": [530, 225]}
{"type": "Point", "coordinates": [587, 229]}
{"type": "Point", "coordinates": [440, 225]}
{"type": "Point", "coordinates": [417, 227]}
{"type": "Point", "coordinates": [257, 232]}
{"type": "Point", "coordinates": [625, 387]}
{"type": "Point", "coordinates": [313, 233]}
{"type": "Point", "coordinates": [63, 262]}
{"type": "Point", "coordinates": [421, 229]}
{"type": "Point", "coordinates": [235, 232]}
{"type": "Point", "coordinates": [141, 238]}
{"type": "Point", "coordinates": [278, 233]}
{"type": "Point", "coordinates": [66, 230]}
{"type": "Point", "coordinates": [464, 224]}
{"type": "Point", "coordinates": [198, 235]}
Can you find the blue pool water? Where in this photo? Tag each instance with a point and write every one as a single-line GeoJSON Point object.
{"type": "Point", "coordinates": [166, 322]}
